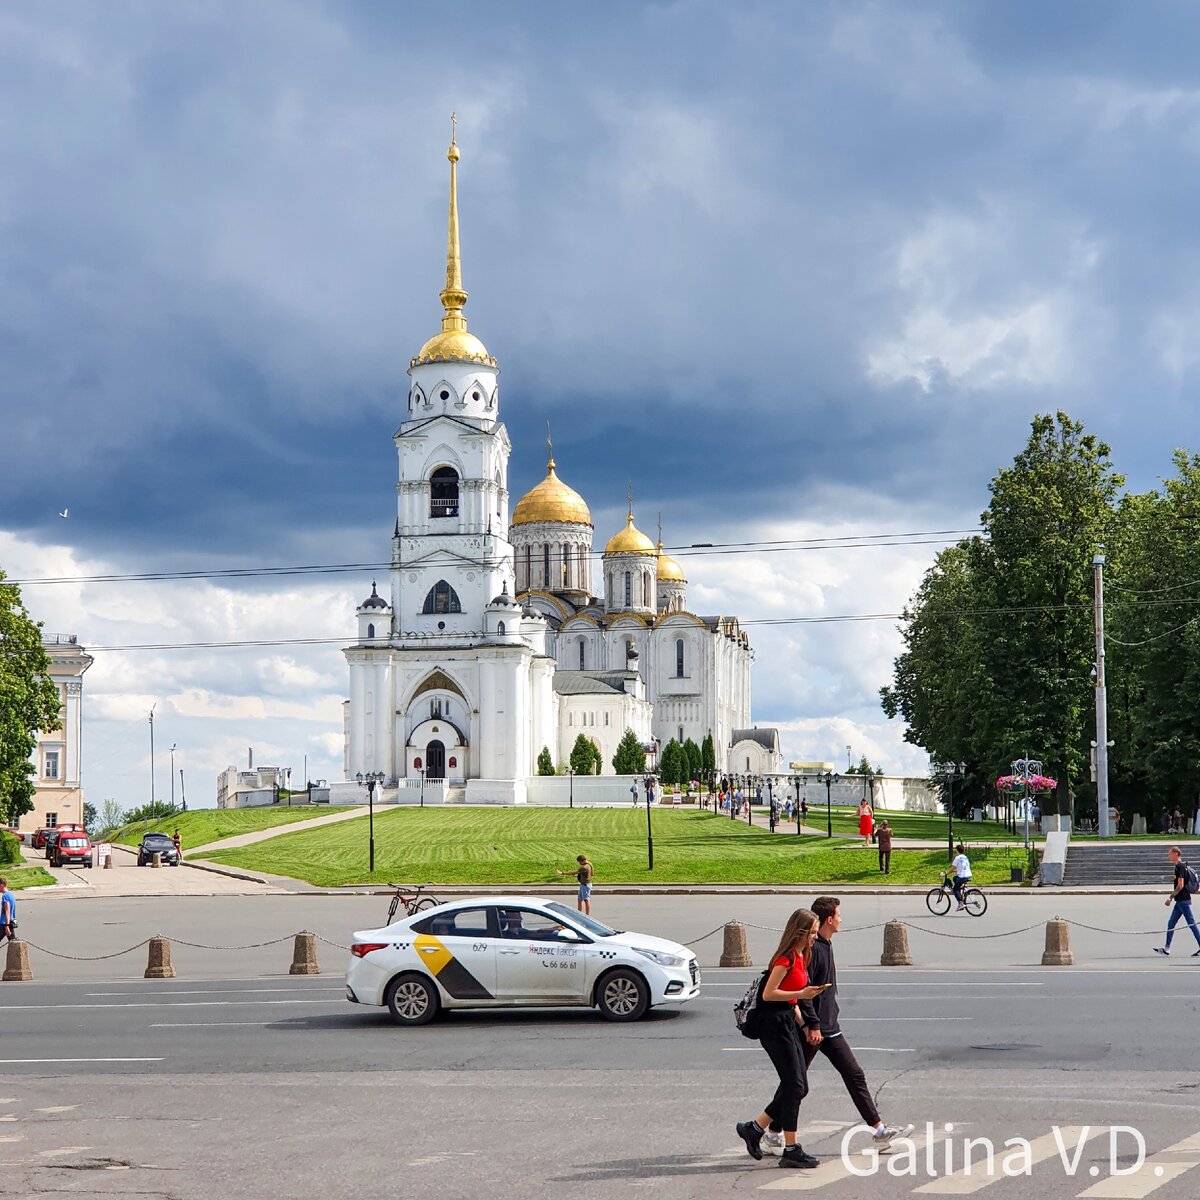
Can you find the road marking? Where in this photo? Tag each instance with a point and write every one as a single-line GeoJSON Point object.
{"type": "Point", "coordinates": [57, 1108]}
{"type": "Point", "coordinates": [1040, 1149]}
{"type": "Point", "coordinates": [1149, 1177]}
{"type": "Point", "coordinates": [62, 1150]}
{"type": "Point", "coordinates": [14, 1137]}
{"type": "Point", "coordinates": [1189, 1145]}
{"type": "Point", "coordinates": [9, 1117]}
{"type": "Point", "coordinates": [831, 1170]}
{"type": "Point", "coordinates": [890, 1019]}
{"type": "Point", "coordinates": [154, 1004]}
{"type": "Point", "coordinates": [17, 1061]}
{"type": "Point", "coordinates": [209, 1024]}
{"type": "Point", "coordinates": [220, 991]}
{"type": "Point", "coordinates": [882, 1049]}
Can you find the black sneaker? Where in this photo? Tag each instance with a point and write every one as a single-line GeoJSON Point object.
{"type": "Point", "coordinates": [794, 1156]}
{"type": "Point", "coordinates": [752, 1136]}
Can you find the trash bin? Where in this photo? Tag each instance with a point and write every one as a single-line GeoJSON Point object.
{"type": "Point", "coordinates": [1017, 874]}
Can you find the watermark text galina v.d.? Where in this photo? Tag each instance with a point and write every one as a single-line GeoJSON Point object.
{"type": "Point", "coordinates": [935, 1155]}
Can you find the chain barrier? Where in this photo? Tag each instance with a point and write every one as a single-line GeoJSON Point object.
{"type": "Point", "coordinates": [1122, 932]}
{"type": "Point", "coordinates": [337, 945]}
{"type": "Point", "coordinates": [973, 937]}
{"type": "Point", "coordinates": [83, 957]}
{"type": "Point", "coordinates": [251, 946]}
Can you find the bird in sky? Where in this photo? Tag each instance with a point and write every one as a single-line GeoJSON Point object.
{"type": "Point", "coordinates": [65, 512]}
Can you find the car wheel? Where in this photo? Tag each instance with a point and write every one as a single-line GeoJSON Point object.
{"type": "Point", "coordinates": [622, 995]}
{"type": "Point", "coordinates": [413, 1000]}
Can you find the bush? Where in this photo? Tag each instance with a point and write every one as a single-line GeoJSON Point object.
{"type": "Point", "coordinates": [10, 850]}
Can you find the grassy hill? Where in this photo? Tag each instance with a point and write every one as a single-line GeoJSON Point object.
{"type": "Point", "coordinates": [199, 826]}
{"type": "Point", "coordinates": [515, 845]}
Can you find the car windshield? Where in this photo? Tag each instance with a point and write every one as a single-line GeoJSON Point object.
{"type": "Point", "coordinates": [73, 841]}
{"type": "Point", "coordinates": [156, 837]}
{"type": "Point", "coordinates": [577, 918]}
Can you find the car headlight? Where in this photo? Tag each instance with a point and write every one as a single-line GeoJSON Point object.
{"type": "Point", "coordinates": [663, 960]}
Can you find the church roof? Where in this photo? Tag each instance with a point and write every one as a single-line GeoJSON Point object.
{"type": "Point", "coordinates": [551, 500]}
{"type": "Point", "coordinates": [630, 540]}
{"type": "Point", "coordinates": [590, 683]}
{"type": "Point", "coordinates": [767, 738]}
{"type": "Point", "coordinates": [374, 600]}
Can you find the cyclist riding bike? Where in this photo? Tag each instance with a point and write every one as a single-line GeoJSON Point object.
{"type": "Point", "coordinates": [961, 866]}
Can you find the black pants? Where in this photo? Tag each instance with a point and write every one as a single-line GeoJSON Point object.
{"type": "Point", "coordinates": [842, 1057]}
{"type": "Point", "coordinates": [781, 1039]}
{"type": "Point", "coordinates": [885, 861]}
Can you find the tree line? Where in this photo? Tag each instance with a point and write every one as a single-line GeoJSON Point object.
{"type": "Point", "coordinates": [999, 638]}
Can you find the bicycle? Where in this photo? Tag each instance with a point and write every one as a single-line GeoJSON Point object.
{"type": "Point", "coordinates": [413, 904]}
{"type": "Point", "coordinates": [938, 899]}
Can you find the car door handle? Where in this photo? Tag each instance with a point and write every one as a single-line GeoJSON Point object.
{"type": "Point", "coordinates": [510, 952]}
{"type": "Point", "coordinates": [429, 949]}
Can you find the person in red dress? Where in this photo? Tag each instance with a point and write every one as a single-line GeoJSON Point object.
{"type": "Point", "coordinates": [866, 822]}
{"type": "Point", "coordinates": [781, 1026]}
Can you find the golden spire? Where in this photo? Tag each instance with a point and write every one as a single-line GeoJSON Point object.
{"type": "Point", "coordinates": [629, 497]}
{"type": "Point", "coordinates": [660, 533]}
{"type": "Point", "coordinates": [549, 451]}
{"type": "Point", "coordinates": [453, 296]}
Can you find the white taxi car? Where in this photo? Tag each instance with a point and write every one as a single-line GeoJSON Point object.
{"type": "Point", "coordinates": [508, 952]}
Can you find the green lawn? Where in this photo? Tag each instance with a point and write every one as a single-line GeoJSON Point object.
{"type": "Point", "coordinates": [199, 826]}
{"type": "Point", "coordinates": [513, 845]}
{"type": "Point", "coordinates": [929, 826]}
{"type": "Point", "coordinates": [26, 877]}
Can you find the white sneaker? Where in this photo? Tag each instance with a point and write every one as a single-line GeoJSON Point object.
{"type": "Point", "coordinates": [888, 1132]}
{"type": "Point", "coordinates": [772, 1143]}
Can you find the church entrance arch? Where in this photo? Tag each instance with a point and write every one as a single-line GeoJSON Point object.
{"type": "Point", "coordinates": [435, 763]}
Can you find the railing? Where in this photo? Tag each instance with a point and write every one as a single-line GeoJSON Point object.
{"type": "Point", "coordinates": [443, 508]}
{"type": "Point", "coordinates": [60, 639]}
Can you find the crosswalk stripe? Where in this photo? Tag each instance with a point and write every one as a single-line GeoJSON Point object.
{"type": "Point", "coordinates": [1189, 1145]}
{"type": "Point", "coordinates": [833, 1170]}
{"type": "Point", "coordinates": [1040, 1149]}
{"type": "Point", "coordinates": [1148, 1178]}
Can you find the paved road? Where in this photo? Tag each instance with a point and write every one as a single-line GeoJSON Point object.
{"type": "Point", "coordinates": [279, 1088]}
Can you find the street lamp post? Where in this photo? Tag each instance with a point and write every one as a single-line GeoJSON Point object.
{"type": "Point", "coordinates": [828, 779]}
{"type": "Point", "coordinates": [796, 780]}
{"type": "Point", "coordinates": [172, 776]}
{"type": "Point", "coordinates": [422, 787]}
{"type": "Point", "coordinates": [369, 780]}
{"type": "Point", "coordinates": [949, 772]}
{"type": "Point", "coordinates": [649, 825]}
{"type": "Point", "coordinates": [770, 806]}
{"type": "Point", "coordinates": [571, 771]}
{"type": "Point", "coordinates": [749, 799]}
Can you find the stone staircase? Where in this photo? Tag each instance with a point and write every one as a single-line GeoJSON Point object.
{"type": "Point", "coordinates": [1111, 864]}
{"type": "Point", "coordinates": [456, 793]}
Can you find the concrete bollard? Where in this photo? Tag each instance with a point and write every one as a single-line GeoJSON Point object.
{"type": "Point", "coordinates": [1058, 945]}
{"type": "Point", "coordinates": [108, 861]}
{"type": "Point", "coordinates": [156, 859]}
{"type": "Point", "coordinates": [304, 955]}
{"type": "Point", "coordinates": [895, 946]}
{"type": "Point", "coordinates": [734, 953]}
{"type": "Point", "coordinates": [159, 964]}
{"type": "Point", "coordinates": [16, 968]}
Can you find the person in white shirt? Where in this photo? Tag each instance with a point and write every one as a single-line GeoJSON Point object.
{"type": "Point", "coordinates": [961, 866]}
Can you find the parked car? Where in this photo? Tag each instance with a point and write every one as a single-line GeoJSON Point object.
{"type": "Point", "coordinates": [49, 841]}
{"type": "Point", "coordinates": [157, 843]}
{"type": "Point", "coordinates": [39, 836]}
{"type": "Point", "coordinates": [73, 850]}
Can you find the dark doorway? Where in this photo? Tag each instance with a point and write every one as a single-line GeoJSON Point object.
{"type": "Point", "coordinates": [435, 760]}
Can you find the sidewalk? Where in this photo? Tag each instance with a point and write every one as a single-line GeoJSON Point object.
{"type": "Point", "coordinates": [263, 835]}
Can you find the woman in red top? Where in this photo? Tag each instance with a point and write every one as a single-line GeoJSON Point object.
{"type": "Point", "coordinates": [781, 1032]}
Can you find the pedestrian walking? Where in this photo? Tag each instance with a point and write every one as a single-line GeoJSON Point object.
{"type": "Point", "coordinates": [823, 1033]}
{"type": "Point", "coordinates": [8, 912]}
{"type": "Point", "coordinates": [884, 837]}
{"type": "Point", "coordinates": [1183, 887]}
{"type": "Point", "coordinates": [804, 812]}
{"type": "Point", "coordinates": [584, 872]}
{"type": "Point", "coordinates": [866, 822]}
{"type": "Point", "coordinates": [178, 842]}
{"type": "Point", "coordinates": [781, 1034]}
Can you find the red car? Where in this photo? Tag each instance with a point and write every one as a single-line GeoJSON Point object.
{"type": "Point", "coordinates": [73, 850]}
{"type": "Point", "coordinates": [38, 841]}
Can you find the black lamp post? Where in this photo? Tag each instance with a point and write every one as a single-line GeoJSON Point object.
{"type": "Point", "coordinates": [370, 779]}
{"type": "Point", "coordinates": [828, 779]}
{"type": "Point", "coordinates": [949, 772]}
{"type": "Point", "coordinates": [796, 780]}
{"type": "Point", "coordinates": [571, 771]}
{"type": "Point", "coordinates": [422, 786]}
{"type": "Point", "coordinates": [770, 806]}
{"type": "Point", "coordinates": [749, 799]}
{"type": "Point", "coordinates": [649, 826]}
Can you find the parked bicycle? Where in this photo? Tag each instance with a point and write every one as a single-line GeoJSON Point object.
{"type": "Point", "coordinates": [939, 899]}
{"type": "Point", "coordinates": [413, 903]}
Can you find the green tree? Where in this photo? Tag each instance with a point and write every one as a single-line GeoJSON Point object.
{"type": "Point", "coordinates": [694, 760]}
{"type": "Point", "coordinates": [89, 817]}
{"type": "Point", "coordinates": [708, 757]}
{"type": "Point", "coordinates": [29, 700]}
{"type": "Point", "coordinates": [630, 758]}
{"type": "Point", "coordinates": [668, 763]}
{"type": "Point", "coordinates": [545, 763]}
{"type": "Point", "coordinates": [583, 756]}
{"type": "Point", "coordinates": [112, 815]}
{"type": "Point", "coordinates": [156, 811]}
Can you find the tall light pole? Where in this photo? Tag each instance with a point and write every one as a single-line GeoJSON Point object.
{"type": "Point", "coordinates": [172, 776]}
{"type": "Point", "coordinates": [152, 708]}
{"type": "Point", "coordinates": [369, 780]}
{"type": "Point", "coordinates": [1101, 705]}
{"type": "Point", "coordinates": [949, 772]}
{"type": "Point", "coordinates": [422, 787]}
{"type": "Point", "coordinates": [829, 779]}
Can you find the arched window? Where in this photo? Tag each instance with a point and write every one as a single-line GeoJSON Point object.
{"type": "Point", "coordinates": [566, 562]}
{"type": "Point", "coordinates": [370, 631]}
{"type": "Point", "coordinates": [582, 659]}
{"type": "Point", "coordinates": [442, 598]}
{"type": "Point", "coordinates": [546, 565]}
{"type": "Point", "coordinates": [646, 589]}
{"type": "Point", "coordinates": [499, 490]}
{"type": "Point", "coordinates": [628, 590]}
{"type": "Point", "coordinates": [679, 658]}
{"type": "Point", "coordinates": [443, 493]}
{"type": "Point", "coordinates": [528, 568]}
{"type": "Point", "coordinates": [500, 628]}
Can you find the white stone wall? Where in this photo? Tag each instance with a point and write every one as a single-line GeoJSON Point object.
{"type": "Point", "coordinates": [569, 571]}
{"type": "Point", "coordinates": [609, 791]}
{"type": "Point", "coordinates": [602, 718]}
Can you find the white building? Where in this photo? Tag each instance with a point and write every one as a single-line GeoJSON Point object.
{"type": "Point", "coordinates": [490, 644]}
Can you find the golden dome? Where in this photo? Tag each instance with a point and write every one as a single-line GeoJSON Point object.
{"type": "Point", "coordinates": [669, 571]}
{"type": "Point", "coordinates": [551, 501]}
{"type": "Point", "coordinates": [631, 540]}
{"type": "Point", "coordinates": [454, 345]}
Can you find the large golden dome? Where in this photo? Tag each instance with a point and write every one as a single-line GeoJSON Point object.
{"type": "Point", "coordinates": [669, 571]}
{"type": "Point", "coordinates": [454, 345]}
{"type": "Point", "coordinates": [551, 501]}
{"type": "Point", "coordinates": [631, 540]}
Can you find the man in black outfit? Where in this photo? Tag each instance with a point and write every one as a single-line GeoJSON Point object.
{"type": "Point", "coordinates": [823, 1034]}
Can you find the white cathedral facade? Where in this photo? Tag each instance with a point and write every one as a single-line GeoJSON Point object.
{"type": "Point", "coordinates": [491, 644]}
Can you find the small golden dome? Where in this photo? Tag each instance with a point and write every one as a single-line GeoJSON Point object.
{"type": "Point", "coordinates": [454, 345]}
{"type": "Point", "coordinates": [551, 501]}
{"type": "Point", "coordinates": [631, 540]}
{"type": "Point", "coordinates": [669, 571]}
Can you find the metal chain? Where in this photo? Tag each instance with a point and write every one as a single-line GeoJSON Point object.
{"type": "Point", "coordinates": [327, 942]}
{"type": "Point", "coordinates": [251, 946]}
{"type": "Point", "coordinates": [972, 937]}
{"type": "Point", "coordinates": [1125, 932]}
{"type": "Point", "coordinates": [83, 957]}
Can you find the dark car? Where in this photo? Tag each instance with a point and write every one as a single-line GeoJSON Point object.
{"type": "Point", "coordinates": [72, 849]}
{"type": "Point", "coordinates": [49, 841]}
{"type": "Point", "coordinates": [157, 843]}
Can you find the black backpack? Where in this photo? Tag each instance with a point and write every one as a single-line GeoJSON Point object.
{"type": "Point", "coordinates": [1191, 881]}
{"type": "Point", "coordinates": [747, 1012]}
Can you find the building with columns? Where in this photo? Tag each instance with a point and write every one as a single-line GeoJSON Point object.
{"type": "Point", "coordinates": [489, 643]}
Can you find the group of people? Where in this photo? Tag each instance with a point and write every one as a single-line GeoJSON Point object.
{"type": "Point", "coordinates": [798, 1007]}
{"type": "Point", "coordinates": [1171, 822]}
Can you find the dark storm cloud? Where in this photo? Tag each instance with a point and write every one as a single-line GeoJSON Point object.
{"type": "Point", "coordinates": [732, 252]}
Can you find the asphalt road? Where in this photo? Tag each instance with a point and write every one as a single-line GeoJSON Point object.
{"type": "Point", "coordinates": [279, 1088]}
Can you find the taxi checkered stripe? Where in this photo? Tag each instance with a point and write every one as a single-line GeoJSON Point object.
{"type": "Point", "coordinates": [608, 954]}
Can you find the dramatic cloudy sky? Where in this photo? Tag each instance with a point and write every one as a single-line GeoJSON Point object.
{"type": "Point", "coordinates": [799, 270]}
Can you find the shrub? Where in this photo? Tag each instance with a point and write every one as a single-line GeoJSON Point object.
{"type": "Point", "coordinates": [10, 850]}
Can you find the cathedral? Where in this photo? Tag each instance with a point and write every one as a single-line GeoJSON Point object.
{"type": "Point", "coordinates": [492, 643]}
